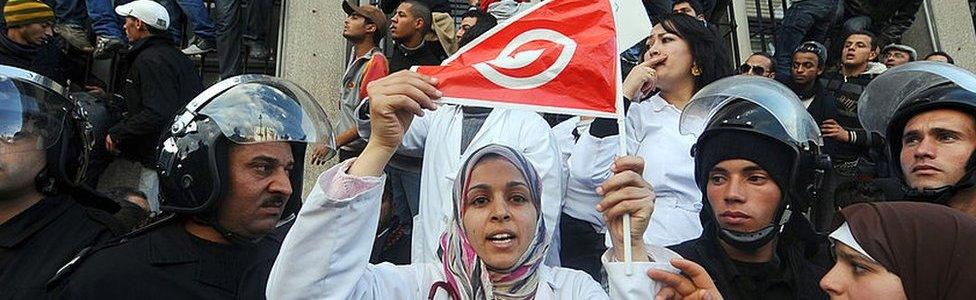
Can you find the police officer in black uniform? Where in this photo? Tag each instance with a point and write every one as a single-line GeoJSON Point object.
{"type": "Point", "coordinates": [934, 161]}
{"type": "Point", "coordinates": [43, 223]}
{"type": "Point", "coordinates": [231, 172]}
{"type": "Point", "coordinates": [758, 164]}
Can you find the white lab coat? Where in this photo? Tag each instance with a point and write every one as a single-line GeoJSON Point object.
{"type": "Point", "coordinates": [326, 255]}
{"type": "Point", "coordinates": [652, 133]}
{"type": "Point", "coordinates": [436, 137]}
{"type": "Point", "coordinates": [581, 199]}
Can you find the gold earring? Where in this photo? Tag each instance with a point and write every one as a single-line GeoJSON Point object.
{"type": "Point", "coordinates": [695, 70]}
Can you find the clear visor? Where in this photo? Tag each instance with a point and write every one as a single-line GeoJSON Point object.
{"type": "Point", "coordinates": [886, 93]}
{"type": "Point", "coordinates": [31, 116]}
{"type": "Point", "coordinates": [776, 98]}
{"type": "Point", "coordinates": [253, 109]}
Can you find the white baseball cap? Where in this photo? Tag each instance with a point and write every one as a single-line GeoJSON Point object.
{"type": "Point", "coordinates": [147, 11]}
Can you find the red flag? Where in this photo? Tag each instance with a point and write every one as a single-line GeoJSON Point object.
{"type": "Point", "coordinates": [559, 56]}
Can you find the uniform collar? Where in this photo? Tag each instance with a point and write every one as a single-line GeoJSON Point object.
{"type": "Point", "coordinates": [172, 245]}
{"type": "Point", "coordinates": [30, 221]}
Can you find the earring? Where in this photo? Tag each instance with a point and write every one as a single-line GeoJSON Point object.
{"type": "Point", "coordinates": [695, 70]}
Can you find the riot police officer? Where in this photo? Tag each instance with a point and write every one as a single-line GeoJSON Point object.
{"type": "Point", "coordinates": [927, 113]}
{"type": "Point", "coordinates": [757, 162]}
{"type": "Point", "coordinates": [231, 172]}
{"type": "Point", "coordinates": [43, 151]}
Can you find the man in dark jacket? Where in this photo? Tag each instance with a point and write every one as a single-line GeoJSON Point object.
{"type": "Point", "coordinates": [410, 23]}
{"type": "Point", "coordinates": [231, 173]}
{"type": "Point", "coordinates": [809, 61]}
{"type": "Point", "coordinates": [28, 42]}
{"type": "Point", "coordinates": [888, 19]}
{"type": "Point", "coordinates": [42, 221]}
{"type": "Point", "coordinates": [852, 155]}
{"type": "Point", "coordinates": [756, 244]}
{"type": "Point", "coordinates": [160, 81]}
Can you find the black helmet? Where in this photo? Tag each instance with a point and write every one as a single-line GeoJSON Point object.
{"type": "Point", "coordinates": [893, 98]}
{"type": "Point", "coordinates": [36, 105]}
{"type": "Point", "coordinates": [761, 120]}
{"type": "Point", "coordinates": [246, 109]}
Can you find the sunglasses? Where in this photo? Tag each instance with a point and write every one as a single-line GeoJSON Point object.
{"type": "Point", "coordinates": [750, 69]}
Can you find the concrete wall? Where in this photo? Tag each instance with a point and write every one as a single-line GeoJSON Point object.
{"type": "Point", "coordinates": [312, 54]}
{"type": "Point", "coordinates": [952, 28]}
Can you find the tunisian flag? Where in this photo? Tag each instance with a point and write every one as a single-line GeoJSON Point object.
{"type": "Point", "coordinates": [559, 56]}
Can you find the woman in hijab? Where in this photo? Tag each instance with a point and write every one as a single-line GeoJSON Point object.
{"type": "Point", "coordinates": [492, 250]}
{"type": "Point", "coordinates": [903, 250]}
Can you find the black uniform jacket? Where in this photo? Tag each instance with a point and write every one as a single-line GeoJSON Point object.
{"type": "Point", "coordinates": [37, 242]}
{"type": "Point", "coordinates": [167, 262]}
{"type": "Point", "coordinates": [801, 260]}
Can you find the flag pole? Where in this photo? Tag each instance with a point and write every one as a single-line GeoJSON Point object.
{"type": "Point", "coordinates": [622, 151]}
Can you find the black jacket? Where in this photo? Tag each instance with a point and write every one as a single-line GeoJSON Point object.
{"type": "Point", "coordinates": [890, 18]}
{"type": "Point", "coordinates": [847, 93]}
{"type": "Point", "coordinates": [823, 107]}
{"type": "Point", "coordinates": [161, 81]}
{"type": "Point", "coordinates": [44, 59]}
{"type": "Point", "coordinates": [430, 53]}
{"type": "Point", "coordinates": [802, 259]}
{"type": "Point", "coordinates": [37, 242]}
{"type": "Point", "coordinates": [167, 262]}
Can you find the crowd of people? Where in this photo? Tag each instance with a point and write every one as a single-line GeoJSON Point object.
{"type": "Point", "coordinates": [837, 169]}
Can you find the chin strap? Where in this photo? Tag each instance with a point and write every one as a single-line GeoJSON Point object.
{"type": "Point", "coordinates": [942, 195]}
{"type": "Point", "coordinates": [752, 241]}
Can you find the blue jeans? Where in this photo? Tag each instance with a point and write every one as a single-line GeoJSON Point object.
{"type": "Point", "coordinates": [229, 33]}
{"type": "Point", "coordinates": [808, 20]}
{"type": "Point", "coordinates": [195, 12]}
{"type": "Point", "coordinates": [406, 193]}
{"type": "Point", "coordinates": [258, 21]}
{"type": "Point", "coordinates": [104, 21]}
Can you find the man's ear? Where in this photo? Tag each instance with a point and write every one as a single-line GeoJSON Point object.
{"type": "Point", "coordinates": [418, 24]}
{"type": "Point", "coordinates": [371, 28]}
{"type": "Point", "coordinates": [874, 54]}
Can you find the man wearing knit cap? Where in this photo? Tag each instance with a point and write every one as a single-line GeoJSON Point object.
{"type": "Point", "coordinates": [25, 43]}
{"type": "Point", "coordinates": [160, 81]}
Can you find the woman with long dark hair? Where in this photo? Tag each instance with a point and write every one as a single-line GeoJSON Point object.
{"type": "Point", "coordinates": [682, 56]}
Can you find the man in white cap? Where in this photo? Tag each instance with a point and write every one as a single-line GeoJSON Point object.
{"type": "Point", "coordinates": [160, 81]}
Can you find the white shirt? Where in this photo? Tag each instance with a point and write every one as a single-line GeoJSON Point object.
{"type": "Point", "coordinates": [326, 256]}
{"type": "Point", "coordinates": [652, 133]}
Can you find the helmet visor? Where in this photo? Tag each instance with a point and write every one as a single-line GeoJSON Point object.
{"type": "Point", "coordinates": [889, 91]}
{"type": "Point", "coordinates": [256, 109]}
{"type": "Point", "coordinates": [776, 98]}
{"type": "Point", "coordinates": [31, 116]}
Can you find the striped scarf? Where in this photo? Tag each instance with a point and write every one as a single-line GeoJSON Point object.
{"type": "Point", "coordinates": [464, 270]}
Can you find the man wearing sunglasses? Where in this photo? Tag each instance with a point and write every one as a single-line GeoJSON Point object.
{"type": "Point", "coordinates": [759, 64]}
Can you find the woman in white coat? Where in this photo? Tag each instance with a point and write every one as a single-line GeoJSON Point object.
{"type": "Point", "coordinates": [683, 56]}
{"type": "Point", "coordinates": [497, 235]}
{"type": "Point", "coordinates": [441, 138]}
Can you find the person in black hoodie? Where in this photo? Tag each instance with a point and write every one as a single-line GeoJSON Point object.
{"type": "Point", "coordinates": [757, 176]}
{"type": "Point", "coordinates": [46, 216]}
{"type": "Point", "coordinates": [809, 62]}
{"type": "Point", "coordinates": [28, 41]}
{"type": "Point", "coordinates": [160, 81]}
